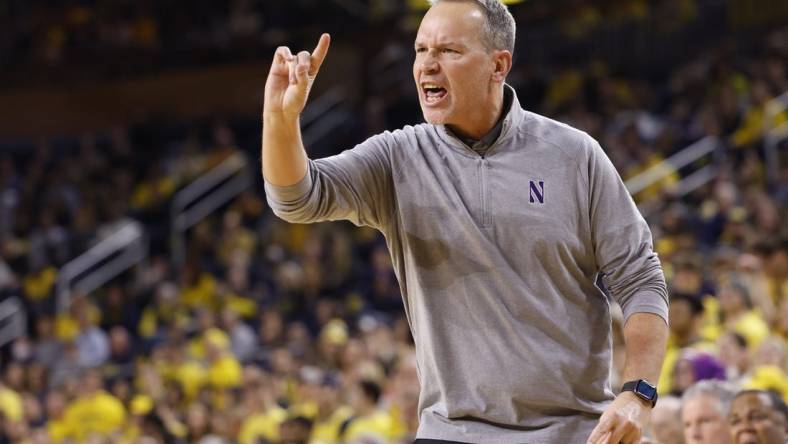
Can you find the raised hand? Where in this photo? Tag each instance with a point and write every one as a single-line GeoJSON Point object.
{"type": "Point", "coordinates": [291, 77]}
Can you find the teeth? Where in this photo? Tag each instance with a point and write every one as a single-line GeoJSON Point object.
{"type": "Point", "coordinates": [430, 85]}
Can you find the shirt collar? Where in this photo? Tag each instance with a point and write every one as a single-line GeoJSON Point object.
{"type": "Point", "coordinates": [511, 116]}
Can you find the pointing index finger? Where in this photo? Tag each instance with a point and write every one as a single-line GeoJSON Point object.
{"type": "Point", "coordinates": [319, 54]}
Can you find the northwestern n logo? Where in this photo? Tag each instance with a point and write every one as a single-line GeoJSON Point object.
{"type": "Point", "coordinates": [537, 191]}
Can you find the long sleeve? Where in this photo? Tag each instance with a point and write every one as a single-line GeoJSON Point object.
{"type": "Point", "coordinates": [354, 185]}
{"type": "Point", "coordinates": [622, 242]}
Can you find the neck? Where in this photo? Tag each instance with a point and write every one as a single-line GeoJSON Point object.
{"type": "Point", "coordinates": [366, 409]}
{"type": "Point", "coordinates": [484, 119]}
{"type": "Point", "coordinates": [686, 338]}
{"type": "Point", "coordinates": [736, 312]}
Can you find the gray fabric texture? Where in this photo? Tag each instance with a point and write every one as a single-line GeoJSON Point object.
{"type": "Point", "coordinates": [497, 271]}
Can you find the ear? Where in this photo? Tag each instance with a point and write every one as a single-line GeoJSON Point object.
{"type": "Point", "coordinates": [503, 64]}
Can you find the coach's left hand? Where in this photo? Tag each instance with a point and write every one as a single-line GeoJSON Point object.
{"type": "Point", "coordinates": [623, 421]}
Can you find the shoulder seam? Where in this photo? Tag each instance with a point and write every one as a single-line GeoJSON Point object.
{"type": "Point", "coordinates": [563, 151]}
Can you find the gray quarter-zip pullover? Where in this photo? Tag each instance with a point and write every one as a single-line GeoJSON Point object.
{"type": "Point", "coordinates": [497, 256]}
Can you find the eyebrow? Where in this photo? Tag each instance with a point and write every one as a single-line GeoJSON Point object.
{"type": "Point", "coordinates": [441, 45]}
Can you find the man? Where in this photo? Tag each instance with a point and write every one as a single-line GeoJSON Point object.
{"type": "Point", "coordinates": [704, 413]}
{"type": "Point", "coordinates": [498, 221]}
{"type": "Point", "coordinates": [758, 417]}
{"type": "Point", "coordinates": [369, 423]}
{"type": "Point", "coordinates": [665, 427]}
{"type": "Point", "coordinates": [295, 430]}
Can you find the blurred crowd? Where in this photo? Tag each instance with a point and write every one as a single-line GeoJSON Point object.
{"type": "Point", "coordinates": [275, 333]}
{"type": "Point", "coordinates": [54, 31]}
{"type": "Point", "coordinates": [91, 40]}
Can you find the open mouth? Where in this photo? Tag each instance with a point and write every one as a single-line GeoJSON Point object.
{"type": "Point", "coordinates": [434, 93]}
{"type": "Point", "coordinates": [748, 438]}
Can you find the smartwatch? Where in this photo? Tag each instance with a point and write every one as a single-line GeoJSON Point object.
{"type": "Point", "coordinates": [643, 389]}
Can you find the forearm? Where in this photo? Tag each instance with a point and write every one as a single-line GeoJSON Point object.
{"type": "Point", "coordinates": [283, 153]}
{"type": "Point", "coordinates": [645, 339]}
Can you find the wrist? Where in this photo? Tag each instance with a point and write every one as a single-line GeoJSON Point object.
{"type": "Point", "coordinates": [641, 389]}
{"type": "Point", "coordinates": [632, 397]}
{"type": "Point", "coordinates": [280, 116]}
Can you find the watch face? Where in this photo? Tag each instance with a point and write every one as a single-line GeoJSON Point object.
{"type": "Point", "coordinates": [646, 390]}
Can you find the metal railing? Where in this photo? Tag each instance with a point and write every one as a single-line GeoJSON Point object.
{"type": "Point", "coordinates": [686, 156]}
{"type": "Point", "coordinates": [772, 137]}
{"type": "Point", "coordinates": [321, 105]}
{"type": "Point", "coordinates": [233, 176]}
{"type": "Point", "coordinates": [113, 255]}
{"type": "Point", "coordinates": [203, 196]}
{"type": "Point", "coordinates": [13, 320]}
{"type": "Point", "coordinates": [322, 116]}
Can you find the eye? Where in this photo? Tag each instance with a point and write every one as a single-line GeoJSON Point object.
{"type": "Point", "coordinates": [421, 49]}
{"type": "Point", "coordinates": [449, 50]}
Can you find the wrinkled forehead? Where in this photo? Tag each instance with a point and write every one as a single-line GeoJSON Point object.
{"type": "Point", "coordinates": [702, 402]}
{"type": "Point", "coordinates": [451, 21]}
{"type": "Point", "coordinates": [751, 401]}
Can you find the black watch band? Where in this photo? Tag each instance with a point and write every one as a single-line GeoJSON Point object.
{"type": "Point", "coordinates": [644, 389]}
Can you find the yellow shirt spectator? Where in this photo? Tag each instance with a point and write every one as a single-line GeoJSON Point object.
{"type": "Point", "coordinates": [99, 413]}
{"type": "Point", "coordinates": [326, 431]}
{"type": "Point", "coordinates": [58, 430]}
{"type": "Point", "coordinates": [378, 425]}
{"type": "Point", "coordinates": [191, 376]}
{"type": "Point", "coordinates": [753, 328]}
{"type": "Point", "coordinates": [38, 286]}
{"type": "Point", "coordinates": [225, 372]}
{"type": "Point", "coordinates": [10, 404]}
{"type": "Point", "coordinates": [672, 355]}
{"type": "Point", "coordinates": [201, 294]}
{"type": "Point", "coordinates": [768, 377]}
{"type": "Point", "coordinates": [262, 425]}
{"type": "Point", "coordinates": [217, 337]}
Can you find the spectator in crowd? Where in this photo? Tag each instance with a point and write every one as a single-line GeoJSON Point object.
{"type": "Point", "coordinates": [734, 353]}
{"type": "Point", "coordinates": [295, 431]}
{"type": "Point", "coordinates": [758, 417]}
{"type": "Point", "coordinates": [704, 413]}
{"type": "Point", "coordinates": [736, 310]}
{"type": "Point", "coordinates": [696, 366]}
{"type": "Point", "coordinates": [370, 422]}
{"type": "Point", "coordinates": [686, 316]}
{"type": "Point", "coordinates": [665, 424]}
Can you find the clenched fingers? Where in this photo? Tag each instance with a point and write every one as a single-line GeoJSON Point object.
{"type": "Point", "coordinates": [602, 431]}
{"type": "Point", "coordinates": [280, 65]}
{"type": "Point", "coordinates": [625, 432]}
{"type": "Point", "coordinates": [282, 58]}
{"type": "Point", "coordinates": [617, 430]}
{"type": "Point", "coordinates": [304, 59]}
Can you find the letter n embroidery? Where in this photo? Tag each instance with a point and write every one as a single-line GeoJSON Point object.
{"type": "Point", "coordinates": [537, 192]}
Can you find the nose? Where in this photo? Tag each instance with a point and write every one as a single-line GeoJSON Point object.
{"type": "Point", "coordinates": [429, 64]}
{"type": "Point", "coordinates": [695, 433]}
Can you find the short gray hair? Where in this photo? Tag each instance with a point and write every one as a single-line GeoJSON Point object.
{"type": "Point", "coordinates": [722, 391]}
{"type": "Point", "coordinates": [499, 26]}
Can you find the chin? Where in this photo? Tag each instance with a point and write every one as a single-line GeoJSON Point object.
{"type": "Point", "coordinates": [435, 117]}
